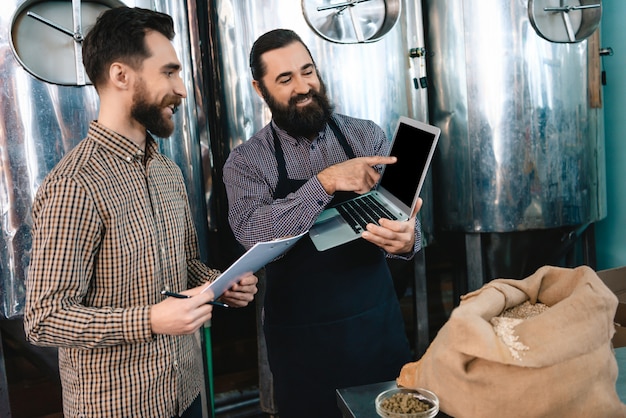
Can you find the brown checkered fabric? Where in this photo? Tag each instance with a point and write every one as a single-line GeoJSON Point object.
{"type": "Point", "coordinates": [111, 228]}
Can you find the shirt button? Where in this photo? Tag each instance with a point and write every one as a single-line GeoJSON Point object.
{"type": "Point", "coordinates": [319, 202]}
{"type": "Point", "coordinates": [312, 146]}
{"type": "Point", "coordinates": [129, 159]}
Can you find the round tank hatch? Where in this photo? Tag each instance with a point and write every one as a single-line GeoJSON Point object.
{"type": "Point", "coordinates": [565, 21]}
{"type": "Point", "coordinates": [46, 37]}
{"type": "Point", "coordinates": [351, 21]}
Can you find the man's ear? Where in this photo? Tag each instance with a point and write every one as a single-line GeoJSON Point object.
{"type": "Point", "coordinates": [257, 88]}
{"type": "Point", "coordinates": [119, 75]}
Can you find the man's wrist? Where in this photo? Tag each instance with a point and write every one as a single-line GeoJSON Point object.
{"type": "Point", "coordinates": [326, 183]}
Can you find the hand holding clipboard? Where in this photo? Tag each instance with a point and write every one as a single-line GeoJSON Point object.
{"type": "Point", "coordinates": [251, 261]}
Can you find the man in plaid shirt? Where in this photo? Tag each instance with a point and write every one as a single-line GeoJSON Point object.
{"type": "Point", "coordinates": [112, 228]}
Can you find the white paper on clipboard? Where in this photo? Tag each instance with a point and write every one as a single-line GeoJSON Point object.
{"type": "Point", "coordinates": [251, 261]}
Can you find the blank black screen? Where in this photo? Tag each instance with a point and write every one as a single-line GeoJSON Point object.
{"type": "Point", "coordinates": [411, 146]}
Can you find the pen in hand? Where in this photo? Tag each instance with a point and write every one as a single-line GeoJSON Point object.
{"type": "Point", "coordinates": [180, 296]}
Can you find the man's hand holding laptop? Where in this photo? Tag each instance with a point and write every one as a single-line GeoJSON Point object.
{"type": "Point", "coordinates": [395, 237]}
{"type": "Point", "coordinates": [359, 175]}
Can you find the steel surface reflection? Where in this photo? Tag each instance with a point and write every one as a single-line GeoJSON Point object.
{"type": "Point", "coordinates": [521, 147]}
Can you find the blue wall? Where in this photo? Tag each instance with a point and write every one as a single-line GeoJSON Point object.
{"type": "Point", "coordinates": [611, 231]}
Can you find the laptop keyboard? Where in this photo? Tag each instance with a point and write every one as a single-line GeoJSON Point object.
{"type": "Point", "coordinates": [362, 211]}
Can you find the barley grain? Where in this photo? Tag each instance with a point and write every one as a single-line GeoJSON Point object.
{"type": "Point", "coordinates": [504, 325]}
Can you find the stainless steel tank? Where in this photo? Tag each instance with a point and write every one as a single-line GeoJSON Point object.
{"type": "Point", "coordinates": [522, 146]}
{"type": "Point", "coordinates": [44, 114]}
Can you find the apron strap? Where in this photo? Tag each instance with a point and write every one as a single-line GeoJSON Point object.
{"type": "Point", "coordinates": [342, 138]}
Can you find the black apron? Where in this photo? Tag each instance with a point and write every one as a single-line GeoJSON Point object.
{"type": "Point", "coordinates": [332, 318]}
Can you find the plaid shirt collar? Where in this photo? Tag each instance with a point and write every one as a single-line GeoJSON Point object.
{"type": "Point", "coordinates": [119, 145]}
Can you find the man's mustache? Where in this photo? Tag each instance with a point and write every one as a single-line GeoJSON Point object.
{"type": "Point", "coordinates": [295, 99]}
{"type": "Point", "coordinates": [175, 102]}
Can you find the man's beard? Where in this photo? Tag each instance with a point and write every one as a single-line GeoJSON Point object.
{"type": "Point", "coordinates": [306, 121]}
{"type": "Point", "coordinates": [150, 115]}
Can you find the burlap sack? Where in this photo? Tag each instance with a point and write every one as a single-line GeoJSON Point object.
{"type": "Point", "coordinates": [568, 370]}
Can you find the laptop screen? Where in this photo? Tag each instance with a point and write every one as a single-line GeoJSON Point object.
{"type": "Point", "coordinates": [412, 147]}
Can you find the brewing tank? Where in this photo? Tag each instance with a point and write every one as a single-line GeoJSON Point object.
{"type": "Point", "coordinates": [522, 143]}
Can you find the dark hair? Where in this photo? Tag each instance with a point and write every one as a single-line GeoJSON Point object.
{"type": "Point", "coordinates": [274, 39]}
{"type": "Point", "coordinates": [119, 35]}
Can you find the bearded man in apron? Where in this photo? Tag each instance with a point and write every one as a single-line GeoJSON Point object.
{"type": "Point", "coordinates": [332, 318]}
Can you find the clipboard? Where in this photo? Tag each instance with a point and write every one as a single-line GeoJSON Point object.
{"type": "Point", "coordinates": [251, 261]}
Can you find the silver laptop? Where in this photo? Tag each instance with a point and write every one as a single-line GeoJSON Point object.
{"type": "Point", "coordinates": [395, 195]}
